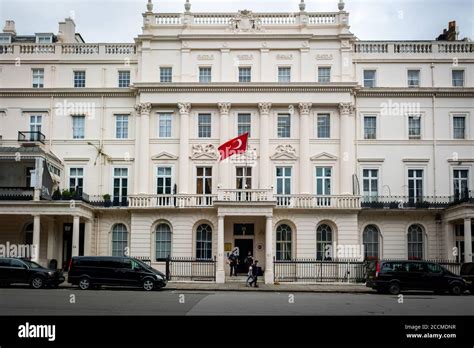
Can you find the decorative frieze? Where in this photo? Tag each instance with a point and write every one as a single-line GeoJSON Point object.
{"type": "Point", "coordinates": [264, 107]}
{"type": "Point", "coordinates": [224, 108]}
{"type": "Point", "coordinates": [284, 56]}
{"type": "Point", "coordinates": [285, 152]}
{"type": "Point", "coordinates": [143, 108]}
{"type": "Point", "coordinates": [205, 57]}
{"type": "Point", "coordinates": [324, 56]}
{"type": "Point", "coordinates": [305, 108]}
{"type": "Point", "coordinates": [346, 108]}
{"type": "Point", "coordinates": [184, 108]}
{"type": "Point", "coordinates": [204, 152]}
{"type": "Point", "coordinates": [245, 57]}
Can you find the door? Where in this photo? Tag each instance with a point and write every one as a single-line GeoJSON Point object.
{"type": "Point", "coordinates": [416, 277]}
{"type": "Point", "coordinates": [4, 269]}
{"type": "Point", "coordinates": [435, 277]}
{"type": "Point", "coordinates": [244, 245]}
{"type": "Point", "coordinates": [18, 272]}
{"type": "Point", "coordinates": [67, 242]}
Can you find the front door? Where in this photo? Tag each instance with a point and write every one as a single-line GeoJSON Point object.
{"type": "Point", "coordinates": [67, 242]}
{"type": "Point", "coordinates": [244, 245]}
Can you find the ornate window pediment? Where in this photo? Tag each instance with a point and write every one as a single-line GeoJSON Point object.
{"type": "Point", "coordinates": [204, 152]}
{"type": "Point", "coordinates": [323, 156]}
{"type": "Point", "coordinates": [285, 152]}
{"type": "Point", "coordinates": [164, 156]}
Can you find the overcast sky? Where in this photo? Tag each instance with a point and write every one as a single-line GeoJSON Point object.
{"type": "Point", "coordinates": [121, 20]}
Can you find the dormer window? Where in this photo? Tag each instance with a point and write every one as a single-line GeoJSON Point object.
{"type": "Point", "coordinates": [44, 38]}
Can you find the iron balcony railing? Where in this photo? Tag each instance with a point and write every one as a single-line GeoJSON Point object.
{"type": "Point", "coordinates": [33, 137]}
{"type": "Point", "coordinates": [419, 202]}
{"type": "Point", "coordinates": [16, 193]}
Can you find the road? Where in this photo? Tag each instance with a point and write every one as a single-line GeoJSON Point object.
{"type": "Point", "coordinates": [64, 301]}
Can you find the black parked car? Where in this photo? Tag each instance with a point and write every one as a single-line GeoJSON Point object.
{"type": "Point", "coordinates": [467, 273]}
{"type": "Point", "coordinates": [91, 271]}
{"type": "Point", "coordinates": [22, 271]}
{"type": "Point", "coordinates": [396, 276]}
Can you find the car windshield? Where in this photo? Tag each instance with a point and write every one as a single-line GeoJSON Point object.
{"type": "Point", "coordinates": [143, 264]}
{"type": "Point", "coordinates": [32, 264]}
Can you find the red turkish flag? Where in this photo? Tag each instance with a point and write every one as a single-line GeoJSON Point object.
{"type": "Point", "coordinates": [234, 146]}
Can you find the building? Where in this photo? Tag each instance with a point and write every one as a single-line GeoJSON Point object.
{"type": "Point", "coordinates": [109, 149]}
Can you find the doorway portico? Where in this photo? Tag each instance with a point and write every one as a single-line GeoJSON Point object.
{"type": "Point", "coordinates": [249, 229]}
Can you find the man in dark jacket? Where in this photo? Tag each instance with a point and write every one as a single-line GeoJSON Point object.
{"type": "Point", "coordinates": [233, 264]}
{"type": "Point", "coordinates": [254, 274]}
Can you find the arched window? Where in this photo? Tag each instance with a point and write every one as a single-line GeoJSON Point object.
{"type": "Point", "coordinates": [162, 241]}
{"type": "Point", "coordinates": [283, 242]}
{"type": "Point", "coordinates": [415, 242]}
{"type": "Point", "coordinates": [324, 239]}
{"type": "Point", "coordinates": [204, 242]}
{"type": "Point", "coordinates": [370, 238]}
{"type": "Point", "coordinates": [119, 240]}
{"type": "Point", "coordinates": [29, 234]}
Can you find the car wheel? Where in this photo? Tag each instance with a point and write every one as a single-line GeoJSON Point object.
{"type": "Point", "coordinates": [394, 289]}
{"type": "Point", "coordinates": [37, 282]}
{"type": "Point", "coordinates": [148, 284]}
{"type": "Point", "coordinates": [84, 283]}
{"type": "Point", "coordinates": [456, 289]}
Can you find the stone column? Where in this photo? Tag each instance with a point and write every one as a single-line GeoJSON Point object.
{"type": "Point", "coordinates": [449, 241]}
{"type": "Point", "coordinates": [75, 236]}
{"type": "Point", "coordinates": [36, 238]}
{"type": "Point", "coordinates": [305, 170]}
{"type": "Point", "coordinates": [226, 73]}
{"type": "Point", "coordinates": [51, 241]}
{"type": "Point", "coordinates": [224, 166]}
{"type": "Point", "coordinates": [467, 240]}
{"type": "Point", "coordinates": [144, 110]}
{"type": "Point", "coordinates": [265, 74]}
{"type": "Point", "coordinates": [220, 274]}
{"type": "Point", "coordinates": [264, 131]}
{"type": "Point", "coordinates": [137, 162]}
{"type": "Point", "coordinates": [269, 279]}
{"type": "Point", "coordinates": [346, 153]}
{"type": "Point", "coordinates": [87, 237]}
{"type": "Point", "coordinates": [183, 162]}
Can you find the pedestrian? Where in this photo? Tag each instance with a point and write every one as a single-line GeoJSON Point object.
{"type": "Point", "coordinates": [248, 260]}
{"type": "Point", "coordinates": [254, 274]}
{"type": "Point", "coordinates": [249, 277]}
{"type": "Point", "coordinates": [233, 264]}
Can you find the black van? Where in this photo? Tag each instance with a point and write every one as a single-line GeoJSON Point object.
{"type": "Point", "coordinates": [395, 276]}
{"type": "Point", "coordinates": [87, 271]}
{"type": "Point", "coordinates": [22, 271]}
{"type": "Point", "coordinates": [467, 273]}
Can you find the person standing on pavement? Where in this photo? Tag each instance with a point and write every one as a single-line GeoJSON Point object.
{"type": "Point", "coordinates": [254, 274]}
{"type": "Point", "coordinates": [233, 264]}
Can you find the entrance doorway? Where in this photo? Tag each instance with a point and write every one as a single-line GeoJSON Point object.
{"type": "Point", "coordinates": [244, 245]}
{"type": "Point", "coordinates": [67, 242]}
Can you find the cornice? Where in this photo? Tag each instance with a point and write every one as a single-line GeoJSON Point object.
{"type": "Point", "coordinates": [66, 92]}
{"type": "Point", "coordinates": [416, 92]}
{"type": "Point", "coordinates": [248, 88]}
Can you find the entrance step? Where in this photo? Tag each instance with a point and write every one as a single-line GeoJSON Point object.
{"type": "Point", "coordinates": [238, 279]}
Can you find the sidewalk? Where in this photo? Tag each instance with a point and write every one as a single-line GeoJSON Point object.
{"type": "Point", "coordinates": [282, 287]}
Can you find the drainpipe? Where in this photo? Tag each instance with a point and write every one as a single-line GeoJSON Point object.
{"type": "Point", "coordinates": [433, 116]}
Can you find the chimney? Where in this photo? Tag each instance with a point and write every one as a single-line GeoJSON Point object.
{"type": "Point", "coordinates": [451, 34]}
{"type": "Point", "coordinates": [9, 27]}
{"type": "Point", "coordinates": [67, 31]}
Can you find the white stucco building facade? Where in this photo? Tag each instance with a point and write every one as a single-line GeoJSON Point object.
{"type": "Point", "coordinates": [351, 142]}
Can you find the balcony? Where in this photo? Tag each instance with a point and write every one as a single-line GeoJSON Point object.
{"type": "Point", "coordinates": [16, 193]}
{"type": "Point", "coordinates": [308, 201]}
{"type": "Point", "coordinates": [403, 49]}
{"type": "Point", "coordinates": [245, 196]}
{"type": "Point", "coordinates": [64, 51]}
{"type": "Point", "coordinates": [424, 202]}
{"type": "Point", "coordinates": [171, 201]}
{"type": "Point", "coordinates": [31, 138]}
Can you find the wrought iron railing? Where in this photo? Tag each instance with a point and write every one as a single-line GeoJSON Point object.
{"type": "Point", "coordinates": [192, 269]}
{"type": "Point", "coordinates": [33, 137]}
{"type": "Point", "coordinates": [16, 193]}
